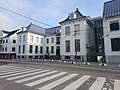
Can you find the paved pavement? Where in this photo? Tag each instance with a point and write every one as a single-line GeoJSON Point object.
{"type": "Point", "coordinates": [38, 77]}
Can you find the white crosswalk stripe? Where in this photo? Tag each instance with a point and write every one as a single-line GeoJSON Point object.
{"type": "Point", "coordinates": [21, 76]}
{"type": "Point", "coordinates": [5, 76]}
{"type": "Point", "coordinates": [45, 79]}
{"type": "Point", "coordinates": [117, 85]}
{"type": "Point", "coordinates": [58, 82]}
{"type": "Point", "coordinates": [77, 83]}
{"type": "Point", "coordinates": [34, 77]}
{"type": "Point", "coordinates": [53, 79]}
{"type": "Point", "coordinates": [14, 71]}
{"type": "Point", "coordinates": [98, 84]}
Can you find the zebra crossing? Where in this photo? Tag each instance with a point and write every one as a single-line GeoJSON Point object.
{"type": "Point", "coordinates": [35, 77]}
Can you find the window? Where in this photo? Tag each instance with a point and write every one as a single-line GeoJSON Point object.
{"type": "Point", "coordinates": [114, 25]}
{"type": "Point", "coordinates": [52, 49]}
{"type": "Point", "coordinates": [13, 48]}
{"type": "Point", "coordinates": [19, 49]}
{"type": "Point", "coordinates": [6, 41]}
{"type": "Point", "coordinates": [77, 27]}
{"type": "Point", "coordinates": [47, 40]}
{"type": "Point", "coordinates": [23, 38]}
{"type": "Point", "coordinates": [115, 44]}
{"type": "Point", "coordinates": [37, 39]}
{"type": "Point", "coordinates": [47, 50]}
{"type": "Point", "coordinates": [67, 30]}
{"type": "Point", "coordinates": [52, 40]}
{"type": "Point", "coordinates": [67, 57]}
{"type": "Point", "coordinates": [36, 49]}
{"type": "Point", "coordinates": [31, 38]}
{"type": "Point", "coordinates": [19, 38]}
{"type": "Point", "coordinates": [3, 41]}
{"type": "Point", "coordinates": [6, 49]}
{"type": "Point", "coordinates": [3, 49]}
{"type": "Point", "coordinates": [67, 45]}
{"type": "Point", "coordinates": [14, 41]}
{"type": "Point", "coordinates": [30, 48]}
{"type": "Point", "coordinates": [41, 49]}
{"type": "Point", "coordinates": [23, 48]}
{"type": "Point", "coordinates": [77, 45]}
{"type": "Point", "coordinates": [57, 40]}
{"type": "Point", "coordinates": [41, 40]}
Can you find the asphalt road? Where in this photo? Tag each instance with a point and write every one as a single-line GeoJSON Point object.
{"type": "Point", "coordinates": [69, 73]}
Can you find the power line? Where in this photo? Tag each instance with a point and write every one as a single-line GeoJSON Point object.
{"type": "Point", "coordinates": [25, 16]}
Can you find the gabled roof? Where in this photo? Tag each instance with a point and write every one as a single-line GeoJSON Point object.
{"type": "Point", "coordinates": [9, 33]}
{"type": "Point", "coordinates": [111, 8]}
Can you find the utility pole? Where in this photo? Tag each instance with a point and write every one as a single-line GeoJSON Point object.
{"type": "Point", "coordinates": [75, 45]}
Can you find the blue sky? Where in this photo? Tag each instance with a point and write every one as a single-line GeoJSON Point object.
{"type": "Point", "coordinates": [47, 11]}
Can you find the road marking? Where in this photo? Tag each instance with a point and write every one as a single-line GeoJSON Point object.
{"type": "Point", "coordinates": [17, 77]}
{"type": "Point", "coordinates": [44, 79]}
{"type": "Point", "coordinates": [1, 74]}
{"type": "Point", "coordinates": [117, 85]}
{"type": "Point", "coordinates": [5, 76]}
{"type": "Point", "coordinates": [34, 77]}
{"type": "Point", "coordinates": [98, 84]}
{"type": "Point", "coordinates": [58, 82]}
{"type": "Point", "coordinates": [77, 83]}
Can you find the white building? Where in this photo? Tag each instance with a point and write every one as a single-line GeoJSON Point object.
{"type": "Point", "coordinates": [8, 47]}
{"type": "Point", "coordinates": [76, 31]}
{"type": "Point", "coordinates": [30, 42]}
{"type": "Point", "coordinates": [36, 42]}
{"type": "Point", "coordinates": [111, 25]}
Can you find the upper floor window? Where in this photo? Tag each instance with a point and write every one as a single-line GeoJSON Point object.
{"type": "Point", "coordinates": [6, 49]}
{"type": "Point", "coordinates": [6, 41]}
{"type": "Point", "coordinates": [114, 25]}
{"type": "Point", "coordinates": [13, 48]}
{"type": "Point", "coordinates": [3, 49]}
{"type": "Point", "coordinates": [57, 40]}
{"type": "Point", "coordinates": [67, 30]}
{"type": "Point", "coordinates": [31, 38]}
{"type": "Point", "coordinates": [52, 40]}
{"type": "Point", "coordinates": [14, 41]}
{"type": "Point", "coordinates": [19, 49]}
{"type": "Point", "coordinates": [20, 38]}
{"type": "Point", "coordinates": [77, 28]}
{"type": "Point", "coordinates": [47, 41]}
{"type": "Point", "coordinates": [41, 40]}
{"type": "Point", "coordinates": [23, 38]}
{"type": "Point", "coordinates": [3, 41]}
{"type": "Point", "coordinates": [41, 49]}
{"type": "Point", "coordinates": [37, 39]}
{"type": "Point", "coordinates": [115, 44]}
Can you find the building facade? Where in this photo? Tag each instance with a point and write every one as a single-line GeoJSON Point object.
{"type": "Point", "coordinates": [77, 41]}
{"type": "Point", "coordinates": [8, 48]}
{"type": "Point", "coordinates": [99, 39]}
{"type": "Point", "coordinates": [111, 25]}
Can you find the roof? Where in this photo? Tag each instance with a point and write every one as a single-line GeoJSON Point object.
{"type": "Point", "coordinates": [34, 29]}
{"type": "Point", "coordinates": [9, 33]}
{"type": "Point", "coordinates": [111, 8]}
{"type": "Point", "coordinates": [53, 30]}
{"type": "Point", "coordinates": [78, 15]}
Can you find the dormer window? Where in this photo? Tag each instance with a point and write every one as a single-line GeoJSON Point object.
{"type": "Point", "coordinates": [72, 16]}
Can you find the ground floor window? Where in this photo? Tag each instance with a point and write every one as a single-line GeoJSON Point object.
{"type": "Point", "coordinates": [67, 57]}
{"type": "Point", "coordinates": [77, 57]}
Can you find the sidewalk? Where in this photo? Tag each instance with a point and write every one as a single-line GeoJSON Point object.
{"type": "Point", "coordinates": [65, 62]}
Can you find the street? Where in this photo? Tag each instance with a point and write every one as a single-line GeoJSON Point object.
{"type": "Point", "coordinates": [55, 76]}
